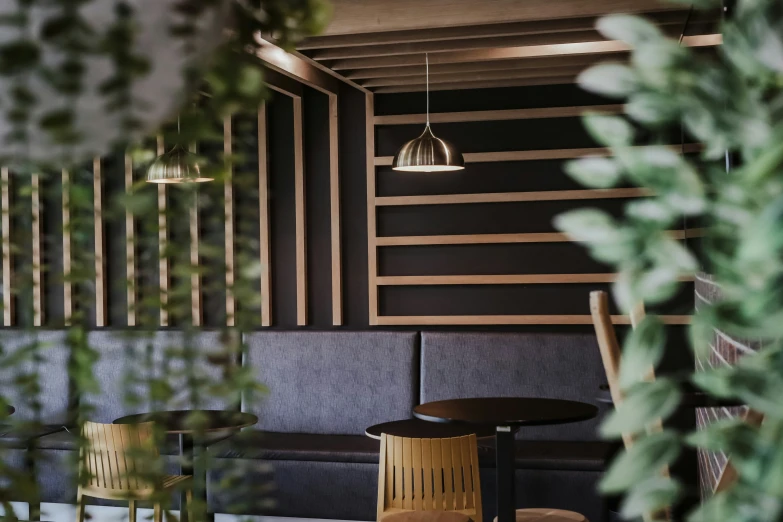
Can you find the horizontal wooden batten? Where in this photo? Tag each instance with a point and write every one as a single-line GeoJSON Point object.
{"type": "Point", "coordinates": [530, 155]}
{"type": "Point", "coordinates": [499, 115]}
{"type": "Point", "coordinates": [479, 84]}
{"type": "Point", "coordinates": [451, 78]}
{"type": "Point", "coordinates": [465, 44]}
{"type": "Point", "coordinates": [508, 53]}
{"type": "Point", "coordinates": [489, 239]}
{"type": "Point", "coordinates": [469, 67]}
{"type": "Point", "coordinates": [521, 279]}
{"type": "Point", "coordinates": [478, 320]}
{"type": "Point", "coordinates": [512, 197]}
{"type": "Point", "coordinates": [470, 31]}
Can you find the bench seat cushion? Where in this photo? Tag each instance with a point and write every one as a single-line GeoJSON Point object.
{"type": "Point", "coordinates": [255, 444]}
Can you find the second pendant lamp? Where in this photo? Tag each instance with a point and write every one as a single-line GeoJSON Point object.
{"type": "Point", "coordinates": [428, 153]}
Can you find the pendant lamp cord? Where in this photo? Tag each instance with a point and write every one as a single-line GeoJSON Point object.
{"type": "Point", "coordinates": [427, 62]}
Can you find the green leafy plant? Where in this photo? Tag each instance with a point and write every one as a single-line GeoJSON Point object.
{"type": "Point", "coordinates": [59, 110]}
{"type": "Point", "coordinates": [731, 102]}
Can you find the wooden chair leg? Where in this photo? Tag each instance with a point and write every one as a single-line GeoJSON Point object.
{"type": "Point", "coordinates": [131, 511]}
{"type": "Point", "coordinates": [158, 513]}
{"type": "Point", "coordinates": [189, 495]}
{"type": "Point", "coordinates": [80, 506]}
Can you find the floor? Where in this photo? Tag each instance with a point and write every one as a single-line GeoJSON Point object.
{"type": "Point", "coordinates": [67, 513]}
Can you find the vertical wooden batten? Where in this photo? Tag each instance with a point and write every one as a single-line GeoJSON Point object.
{"type": "Point", "coordinates": [67, 286]}
{"type": "Point", "coordinates": [130, 247]}
{"type": "Point", "coordinates": [301, 218]}
{"type": "Point", "coordinates": [100, 250]}
{"type": "Point", "coordinates": [372, 247]}
{"type": "Point", "coordinates": [334, 209]}
{"type": "Point", "coordinates": [38, 306]}
{"type": "Point", "coordinates": [265, 251]}
{"type": "Point", "coordinates": [163, 262]}
{"type": "Point", "coordinates": [228, 191]}
{"type": "Point", "coordinates": [195, 279]}
{"type": "Point", "coordinates": [5, 201]}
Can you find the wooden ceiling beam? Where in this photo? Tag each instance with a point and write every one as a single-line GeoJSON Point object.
{"type": "Point", "coordinates": [586, 35]}
{"type": "Point", "coordinates": [436, 79]}
{"type": "Point", "coordinates": [471, 67]}
{"type": "Point", "coordinates": [353, 16]}
{"type": "Point", "coordinates": [296, 67]}
{"type": "Point", "coordinates": [508, 53]}
{"type": "Point", "coordinates": [484, 84]}
{"type": "Point", "coordinates": [470, 31]}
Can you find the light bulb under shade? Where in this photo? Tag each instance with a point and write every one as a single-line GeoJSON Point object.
{"type": "Point", "coordinates": [176, 166]}
{"type": "Point", "coordinates": [428, 153]}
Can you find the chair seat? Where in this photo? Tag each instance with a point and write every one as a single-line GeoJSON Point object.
{"type": "Point", "coordinates": [169, 482]}
{"type": "Point", "coordinates": [253, 444]}
{"type": "Point", "coordinates": [547, 515]}
{"type": "Point", "coordinates": [553, 455]}
{"type": "Point", "coordinates": [426, 516]}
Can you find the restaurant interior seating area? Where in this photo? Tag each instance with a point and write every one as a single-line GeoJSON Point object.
{"type": "Point", "coordinates": [378, 319]}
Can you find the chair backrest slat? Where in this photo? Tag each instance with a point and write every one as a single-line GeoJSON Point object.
{"type": "Point", "coordinates": [114, 455]}
{"type": "Point", "coordinates": [429, 474]}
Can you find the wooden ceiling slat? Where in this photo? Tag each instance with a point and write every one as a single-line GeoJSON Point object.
{"type": "Point", "coordinates": [470, 67]}
{"type": "Point", "coordinates": [458, 86]}
{"type": "Point", "coordinates": [507, 53]}
{"type": "Point", "coordinates": [587, 35]}
{"type": "Point", "coordinates": [470, 31]}
{"type": "Point", "coordinates": [497, 115]}
{"type": "Point", "coordinates": [436, 79]}
{"type": "Point", "coordinates": [364, 16]}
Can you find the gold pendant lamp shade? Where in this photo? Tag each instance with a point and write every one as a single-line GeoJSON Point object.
{"type": "Point", "coordinates": [178, 165]}
{"type": "Point", "coordinates": [428, 153]}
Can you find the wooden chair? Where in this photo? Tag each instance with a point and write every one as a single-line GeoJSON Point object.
{"type": "Point", "coordinates": [610, 355]}
{"type": "Point", "coordinates": [429, 475]}
{"type": "Point", "coordinates": [116, 462]}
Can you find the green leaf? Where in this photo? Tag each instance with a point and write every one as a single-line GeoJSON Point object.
{"type": "Point", "coordinates": [652, 108]}
{"type": "Point", "coordinates": [645, 459]}
{"type": "Point", "coordinates": [651, 211]}
{"type": "Point", "coordinates": [649, 496]}
{"type": "Point", "coordinates": [644, 404]}
{"type": "Point", "coordinates": [642, 351]}
{"type": "Point", "coordinates": [667, 252]}
{"type": "Point", "coordinates": [607, 241]}
{"type": "Point", "coordinates": [630, 29]}
{"type": "Point", "coordinates": [610, 79]}
{"type": "Point", "coordinates": [611, 131]}
{"type": "Point", "coordinates": [594, 171]}
{"type": "Point", "coordinates": [730, 436]}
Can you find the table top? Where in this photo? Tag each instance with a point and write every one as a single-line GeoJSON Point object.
{"type": "Point", "coordinates": [420, 429]}
{"type": "Point", "coordinates": [9, 410]}
{"type": "Point", "coordinates": [692, 397]}
{"type": "Point", "coordinates": [180, 421]}
{"type": "Point", "coordinates": [506, 411]}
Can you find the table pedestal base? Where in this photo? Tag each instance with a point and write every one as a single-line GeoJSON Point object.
{"type": "Point", "coordinates": [504, 465]}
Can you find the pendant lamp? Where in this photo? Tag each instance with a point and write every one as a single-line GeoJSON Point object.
{"type": "Point", "coordinates": [428, 153]}
{"type": "Point", "coordinates": [178, 165]}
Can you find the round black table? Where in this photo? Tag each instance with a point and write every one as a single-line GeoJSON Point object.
{"type": "Point", "coordinates": [180, 422]}
{"type": "Point", "coordinates": [419, 429]}
{"type": "Point", "coordinates": [506, 414]}
{"type": "Point", "coordinates": [9, 410]}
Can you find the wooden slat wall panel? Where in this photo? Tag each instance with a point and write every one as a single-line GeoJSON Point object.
{"type": "Point", "coordinates": [100, 247]}
{"type": "Point", "coordinates": [163, 237]}
{"type": "Point", "coordinates": [130, 247]}
{"type": "Point", "coordinates": [37, 247]}
{"type": "Point", "coordinates": [484, 239]}
{"type": "Point", "coordinates": [5, 200]}
{"type": "Point", "coordinates": [67, 286]}
{"type": "Point", "coordinates": [301, 217]}
{"type": "Point", "coordinates": [372, 250]}
{"type": "Point", "coordinates": [512, 197]}
{"type": "Point", "coordinates": [265, 249]}
{"type": "Point", "coordinates": [334, 209]}
{"type": "Point", "coordinates": [228, 189]}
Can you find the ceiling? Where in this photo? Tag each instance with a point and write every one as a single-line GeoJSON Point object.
{"type": "Point", "coordinates": [381, 44]}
